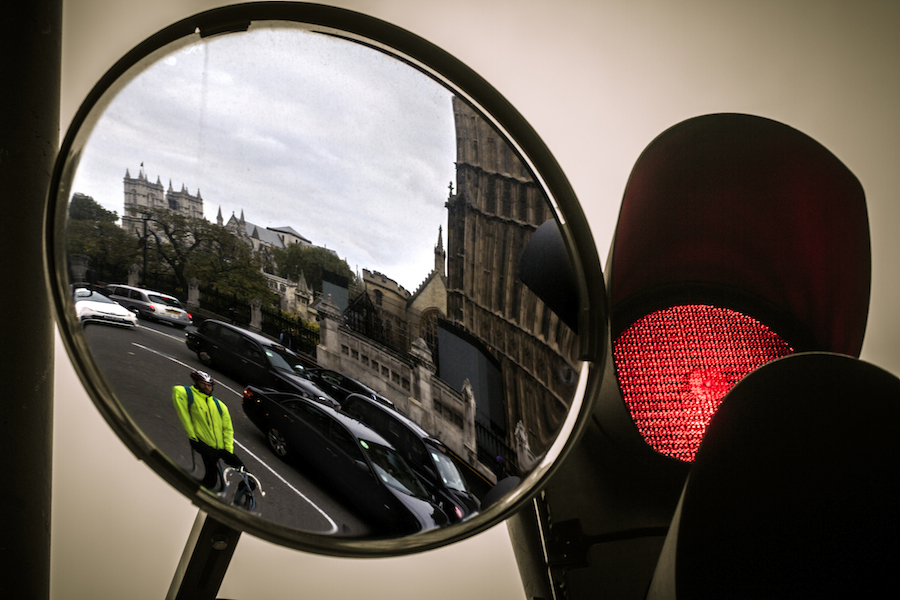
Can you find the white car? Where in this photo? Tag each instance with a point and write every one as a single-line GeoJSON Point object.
{"type": "Point", "coordinates": [94, 307]}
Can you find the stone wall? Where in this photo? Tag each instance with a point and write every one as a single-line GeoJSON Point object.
{"type": "Point", "coordinates": [407, 381]}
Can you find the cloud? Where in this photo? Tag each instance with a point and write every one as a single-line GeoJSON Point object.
{"type": "Point", "coordinates": [352, 148]}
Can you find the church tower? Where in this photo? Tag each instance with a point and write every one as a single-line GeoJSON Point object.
{"type": "Point", "coordinates": [142, 196]}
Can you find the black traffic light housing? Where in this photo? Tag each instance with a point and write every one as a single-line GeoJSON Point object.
{"type": "Point", "coordinates": [793, 493]}
{"type": "Point", "coordinates": [725, 212]}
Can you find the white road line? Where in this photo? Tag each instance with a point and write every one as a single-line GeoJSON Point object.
{"type": "Point", "coordinates": [157, 332]}
{"type": "Point", "coordinates": [334, 527]}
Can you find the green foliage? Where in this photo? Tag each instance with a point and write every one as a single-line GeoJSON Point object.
{"type": "Point", "coordinates": [85, 208]}
{"type": "Point", "coordinates": [92, 232]}
{"type": "Point", "coordinates": [197, 248]}
{"type": "Point", "coordinates": [311, 261]}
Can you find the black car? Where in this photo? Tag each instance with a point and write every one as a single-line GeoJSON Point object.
{"type": "Point", "coordinates": [429, 457]}
{"type": "Point", "coordinates": [339, 386]}
{"type": "Point", "coordinates": [253, 359]}
{"type": "Point", "coordinates": [360, 465]}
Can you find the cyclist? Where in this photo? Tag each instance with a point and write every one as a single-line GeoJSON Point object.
{"type": "Point", "coordinates": [207, 422]}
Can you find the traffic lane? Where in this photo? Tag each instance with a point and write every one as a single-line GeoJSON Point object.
{"type": "Point", "coordinates": [142, 365]}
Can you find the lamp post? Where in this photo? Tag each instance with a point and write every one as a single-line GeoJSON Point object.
{"type": "Point", "coordinates": [145, 216]}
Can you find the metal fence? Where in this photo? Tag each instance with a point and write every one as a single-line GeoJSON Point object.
{"type": "Point", "coordinates": [492, 447]}
{"type": "Point", "coordinates": [301, 337]}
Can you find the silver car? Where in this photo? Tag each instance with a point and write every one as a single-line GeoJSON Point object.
{"type": "Point", "coordinates": [150, 305]}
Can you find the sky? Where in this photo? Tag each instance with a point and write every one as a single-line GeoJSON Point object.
{"type": "Point", "coordinates": [350, 147]}
{"type": "Point", "coordinates": [598, 80]}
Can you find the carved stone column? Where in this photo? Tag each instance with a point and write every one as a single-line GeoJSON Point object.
{"type": "Point", "coordinates": [422, 374]}
{"type": "Point", "coordinates": [469, 438]}
{"type": "Point", "coordinates": [256, 315]}
{"type": "Point", "coordinates": [79, 267]}
{"type": "Point", "coordinates": [134, 275]}
{"type": "Point", "coordinates": [193, 298]}
{"type": "Point", "coordinates": [524, 455]}
{"type": "Point", "coordinates": [328, 352]}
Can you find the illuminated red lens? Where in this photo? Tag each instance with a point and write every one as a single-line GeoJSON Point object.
{"type": "Point", "coordinates": [675, 365]}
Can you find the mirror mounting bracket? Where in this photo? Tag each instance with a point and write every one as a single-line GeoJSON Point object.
{"type": "Point", "coordinates": [205, 560]}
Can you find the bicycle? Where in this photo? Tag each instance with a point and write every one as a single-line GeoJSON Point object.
{"type": "Point", "coordinates": [242, 492]}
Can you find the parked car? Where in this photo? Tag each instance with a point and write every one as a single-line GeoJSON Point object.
{"type": "Point", "coordinates": [429, 457]}
{"type": "Point", "coordinates": [253, 359]}
{"type": "Point", "coordinates": [339, 386]}
{"type": "Point", "coordinates": [94, 307]}
{"type": "Point", "coordinates": [150, 305]}
{"type": "Point", "coordinates": [360, 465]}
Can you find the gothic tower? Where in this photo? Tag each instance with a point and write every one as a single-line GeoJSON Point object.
{"type": "Point", "coordinates": [497, 207]}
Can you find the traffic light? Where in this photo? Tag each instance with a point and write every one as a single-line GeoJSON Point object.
{"type": "Point", "coordinates": [740, 241]}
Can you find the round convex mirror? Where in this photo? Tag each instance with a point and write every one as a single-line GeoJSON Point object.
{"type": "Point", "coordinates": [339, 226]}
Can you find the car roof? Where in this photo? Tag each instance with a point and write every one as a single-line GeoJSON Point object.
{"type": "Point", "coordinates": [250, 334]}
{"type": "Point", "coordinates": [403, 419]}
{"type": "Point", "coordinates": [357, 428]}
{"type": "Point", "coordinates": [145, 290]}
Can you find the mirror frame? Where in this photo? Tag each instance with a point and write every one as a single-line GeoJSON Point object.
{"type": "Point", "coordinates": [446, 70]}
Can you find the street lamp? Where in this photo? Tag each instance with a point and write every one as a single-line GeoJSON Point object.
{"type": "Point", "coordinates": [145, 216]}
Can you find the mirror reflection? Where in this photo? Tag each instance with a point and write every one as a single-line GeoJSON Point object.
{"type": "Point", "coordinates": [294, 258]}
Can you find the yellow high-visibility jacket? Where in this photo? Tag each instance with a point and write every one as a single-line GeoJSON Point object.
{"type": "Point", "coordinates": [205, 418]}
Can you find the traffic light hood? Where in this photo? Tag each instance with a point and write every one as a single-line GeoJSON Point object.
{"type": "Point", "coordinates": [745, 212]}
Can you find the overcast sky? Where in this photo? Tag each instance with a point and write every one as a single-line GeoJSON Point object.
{"type": "Point", "coordinates": [352, 148]}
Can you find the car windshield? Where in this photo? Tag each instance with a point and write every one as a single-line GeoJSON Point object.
{"type": "Point", "coordinates": [81, 295]}
{"type": "Point", "coordinates": [168, 301]}
{"type": "Point", "coordinates": [449, 473]}
{"type": "Point", "coordinates": [282, 359]}
{"type": "Point", "coordinates": [393, 470]}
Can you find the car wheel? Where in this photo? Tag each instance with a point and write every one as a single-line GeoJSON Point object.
{"type": "Point", "coordinates": [205, 358]}
{"type": "Point", "coordinates": [277, 442]}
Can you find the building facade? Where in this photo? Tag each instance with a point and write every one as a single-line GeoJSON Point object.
{"type": "Point", "coordinates": [141, 196]}
{"type": "Point", "coordinates": [491, 217]}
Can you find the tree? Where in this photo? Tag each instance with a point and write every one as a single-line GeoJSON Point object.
{"type": "Point", "coordinates": [92, 232]}
{"type": "Point", "coordinates": [190, 247]}
{"type": "Point", "coordinates": [85, 208]}
{"type": "Point", "coordinates": [310, 261]}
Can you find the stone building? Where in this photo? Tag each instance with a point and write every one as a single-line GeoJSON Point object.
{"type": "Point", "coordinates": [428, 303]}
{"type": "Point", "coordinates": [258, 237]}
{"type": "Point", "coordinates": [141, 195]}
{"type": "Point", "coordinates": [497, 207]}
{"type": "Point", "coordinates": [385, 311]}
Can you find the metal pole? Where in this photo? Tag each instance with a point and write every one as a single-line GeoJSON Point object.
{"type": "Point", "coordinates": [144, 272]}
{"type": "Point", "coordinates": [205, 560]}
{"type": "Point", "coordinates": [31, 47]}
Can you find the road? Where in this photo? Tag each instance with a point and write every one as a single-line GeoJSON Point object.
{"type": "Point", "coordinates": [143, 364]}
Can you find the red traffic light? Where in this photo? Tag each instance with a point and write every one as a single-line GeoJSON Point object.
{"type": "Point", "coordinates": [675, 366]}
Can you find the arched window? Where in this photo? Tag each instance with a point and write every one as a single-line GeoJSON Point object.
{"type": "Point", "coordinates": [428, 327]}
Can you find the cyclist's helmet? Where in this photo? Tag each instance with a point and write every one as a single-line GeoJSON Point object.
{"type": "Point", "coordinates": [201, 376]}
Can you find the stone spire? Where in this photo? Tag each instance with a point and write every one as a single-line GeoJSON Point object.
{"type": "Point", "coordinates": [440, 257]}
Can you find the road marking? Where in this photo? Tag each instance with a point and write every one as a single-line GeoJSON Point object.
{"type": "Point", "coordinates": [157, 332]}
{"type": "Point", "coordinates": [334, 527]}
